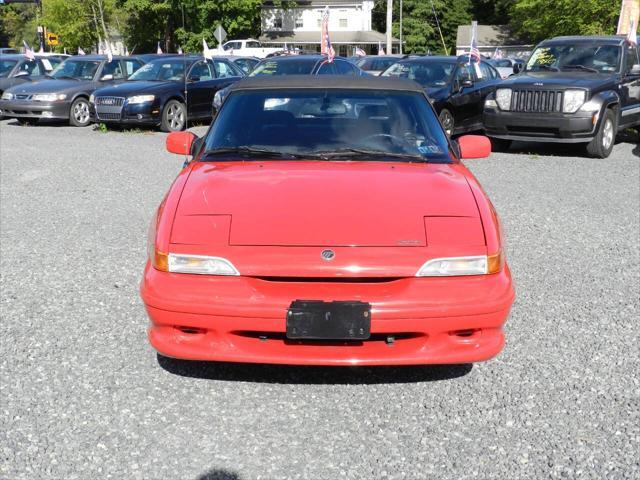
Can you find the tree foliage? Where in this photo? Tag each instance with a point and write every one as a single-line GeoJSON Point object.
{"type": "Point", "coordinates": [540, 19]}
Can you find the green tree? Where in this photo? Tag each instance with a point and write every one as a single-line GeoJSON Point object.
{"type": "Point", "coordinates": [540, 19]}
{"type": "Point", "coordinates": [18, 22]}
{"type": "Point", "coordinates": [419, 26]}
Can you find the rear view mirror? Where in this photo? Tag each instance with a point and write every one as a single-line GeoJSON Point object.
{"type": "Point", "coordinates": [180, 142]}
{"type": "Point", "coordinates": [635, 70]}
{"type": "Point", "coordinates": [106, 78]}
{"type": "Point", "coordinates": [22, 73]}
{"type": "Point", "coordinates": [474, 146]}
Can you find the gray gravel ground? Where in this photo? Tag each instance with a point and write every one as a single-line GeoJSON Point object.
{"type": "Point", "coordinates": [85, 397]}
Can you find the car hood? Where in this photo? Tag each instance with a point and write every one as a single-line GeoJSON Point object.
{"type": "Point", "coordinates": [312, 203]}
{"type": "Point", "coordinates": [135, 87]}
{"type": "Point", "coordinates": [560, 80]}
{"type": "Point", "coordinates": [52, 86]}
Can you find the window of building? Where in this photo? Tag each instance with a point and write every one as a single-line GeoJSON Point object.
{"type": "Point", "coordinates": [299, 23]}
{"type": "Point", "coordinates": [277, 22]}
{"type": "Point", "coordinates": [343, 23]}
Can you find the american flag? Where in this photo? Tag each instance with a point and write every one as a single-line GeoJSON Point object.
{"type": "Point", "coordinates": [28, 52]}
{"type": "Point", "coordinates": [632, 36]}
{"type": "Point", "coordinates": [380, 49]}
{"type": "Point", "coordinates": [360, 52]}
{"type": "Point", "coordinates": [81, 51]}
{"type": "Point", "coordinates": [474, 53]}
{"type": "Point", "coordinates": [325, 42]}
{"type": "Point", "coordinates": [159, 51]}
{"type": "Point", "coordinates": [497, 55]}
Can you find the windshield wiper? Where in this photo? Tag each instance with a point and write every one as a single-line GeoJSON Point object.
{"type": "Point", "coordinates": [66, 76]}
{"type": "Point", "coordinates": [250, 152]}
{"type": "Point", "coordinates": [358, 152]}
{"type": "Point", "coordinates": [580, 67]}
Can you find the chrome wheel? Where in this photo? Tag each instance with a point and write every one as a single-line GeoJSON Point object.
{"type": "Point", "coordinates": [81, 112]}
{"type": "Point", "coordinates": [607, 134]}
{"type": "Point", "coordinates": [446, 119]}
{"type": "Point", "coordinates": [175, 117]}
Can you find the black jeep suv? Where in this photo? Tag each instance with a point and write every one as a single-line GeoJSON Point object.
{"type": "Point", "coordinates": [572, 90]}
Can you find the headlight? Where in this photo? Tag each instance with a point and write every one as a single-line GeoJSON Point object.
{"type": "Point", "coordinates": [455, 266]}
{"type": "Point", "coordinates": [141, 99]}
{"type": "Point", "coordinates": [92, 98]}
{"type": "Point", "coordinates": [572, 100]}
{"type": "Point", "coordinates": [7, 96]}
{"type": "Point", "coordinates": [197, 264]}
{"type": "Point", "coordinates": [503, 98]}
{"type": "Point", "coordinates": [49, 97]}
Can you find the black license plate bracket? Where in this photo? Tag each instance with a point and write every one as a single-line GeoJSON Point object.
{"type": "Point", "coordinates": [338, 320]}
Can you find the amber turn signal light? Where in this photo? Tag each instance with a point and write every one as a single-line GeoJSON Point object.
{"type": "Point", "coordinates": [495, 262]}
{"type": "Point", "coordinates": [160, 261]}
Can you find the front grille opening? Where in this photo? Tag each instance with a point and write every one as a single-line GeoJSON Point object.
{"type": "Point", "coordinates": [468, 333]}
{"type": "Point", "coordinates": [191, 330]}
{"type": "Point", "coordinates": [330, 279]}
{"type": "Point", "coordinates": [386, 338]}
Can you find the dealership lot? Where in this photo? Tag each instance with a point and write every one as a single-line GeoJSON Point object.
{"type": "Point", "coordinates": [84, 395]}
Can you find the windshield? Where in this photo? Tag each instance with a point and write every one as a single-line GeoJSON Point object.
{"type": "Point", "coordinates": [596, 58]}
{"type": "Point", "coordinates": [6, 66]}
{"type": "Point", "coordinates": [375, 64]}
{"type": "Point", "coordinates": [327, 124]}
{"type": "Point", "coordinates": [80, 69]}
{"type": "Point", "coordinates": [161, 71]}
{"type": "Point", "coordinates": [431, 74]}
{"type": "Point", "coordinates": [288, 67]}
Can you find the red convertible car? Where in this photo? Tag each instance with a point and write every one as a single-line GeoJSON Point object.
{"type": "Point", "coordinates": [327, 221]}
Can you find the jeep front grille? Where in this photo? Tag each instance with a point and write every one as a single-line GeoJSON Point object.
{"type": "Point", "coordinates": [536, 101]}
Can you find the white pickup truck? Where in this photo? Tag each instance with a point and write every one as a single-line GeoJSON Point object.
{"type": "Point", "coordinates": [247, 48]}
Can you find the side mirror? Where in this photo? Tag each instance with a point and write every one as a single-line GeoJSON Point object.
{"type": "Point", "coordinates": [474, 146]}
{"type": "Point", "coordinates": [193, 78]}
{"type": "Point", "coordinates": [106, 78]}
{"type": "Point", "coordinates": [635, 70]}
{"type": "Point", "coordinates": [21, 73]}
{"type": "Point", "coordinates": [466, 84]}
{"type": "Point", "coordinates": [517, 68]}
{"type": "Point", "coordinates": [180, 142]}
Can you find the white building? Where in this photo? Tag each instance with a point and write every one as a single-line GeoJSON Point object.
{"type": "Point", "coordinates": [349, 25]}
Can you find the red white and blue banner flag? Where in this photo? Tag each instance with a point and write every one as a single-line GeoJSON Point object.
{"type": "Point", "coordinates": [474, 53]}
{"type": "Point", "coordinates": [27, 51]}
{"type": "Point", "coordinates": [325, 43]}
{"type": "Point", "coordinates": [629, 19]}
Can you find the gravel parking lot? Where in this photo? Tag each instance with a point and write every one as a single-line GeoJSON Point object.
{"type": "Point", "coordinates": [85, 397]}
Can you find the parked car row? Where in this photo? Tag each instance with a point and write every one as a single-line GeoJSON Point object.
{"type": "Point", "coordinates": [579, 90]}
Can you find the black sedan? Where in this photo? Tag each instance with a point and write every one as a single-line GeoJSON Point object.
{"type": "Point", "coordinates": [17, 69]}
{"type": "Point", "coordinates": [64, 95]}
{"type": "Point", "coordinates": [456, 88]}
{"type": "Point", "coordinates": [296, 65]}
{"type": "Point", "coordinates": [158, 94]}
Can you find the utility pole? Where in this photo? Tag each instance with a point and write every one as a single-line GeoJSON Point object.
{"type": "Point", "coordinates": [389, 25]}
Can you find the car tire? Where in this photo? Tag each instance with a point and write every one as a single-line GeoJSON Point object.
{"type": "Point", "coordinates": [500, 145]}
{"type": "Point", "coordinates": [27, 121]}
{"type": "Point", "coordinates": [79, 113]}
{"type": "Point", "coordinates": [602, 144]}
{"type": "Point", "coordinates": [174, 117]}
{"type": "Point", "coordinates": [447, 121]}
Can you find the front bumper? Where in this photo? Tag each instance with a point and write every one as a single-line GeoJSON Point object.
{"type": "Point", "coordinates": [242, 319]}
{"type": "Point", "coordinates": [136, 114]}
{"type": "Point", "coordinates": [31, 109]}
{"type": "Point", "coordinates": [541, 127]}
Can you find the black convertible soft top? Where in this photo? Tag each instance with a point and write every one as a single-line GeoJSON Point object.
{"type": "Point", "coordinates": [325, 81]}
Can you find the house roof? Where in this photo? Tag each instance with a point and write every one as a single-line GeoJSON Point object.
{"type": "Point", "coordinates": [488, 36]}
{"type": "Point", "coordinates": [337, 37]}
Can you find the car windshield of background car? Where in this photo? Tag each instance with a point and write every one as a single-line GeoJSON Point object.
{"type": "Point", "coordinates": [289, 67]}
{"type": "Point", "coordinates": [599, 58]}
{"type": "Point", "coordinates": [432, 74]}
{"type": "Point", "coordinates": [6, 66]}
{"type": "Point", "coordinates": [162, 71]}
{"type": "Point", "coordinates": [327, 124]}
{"type": "Point", "coordinates": [78, 69]}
